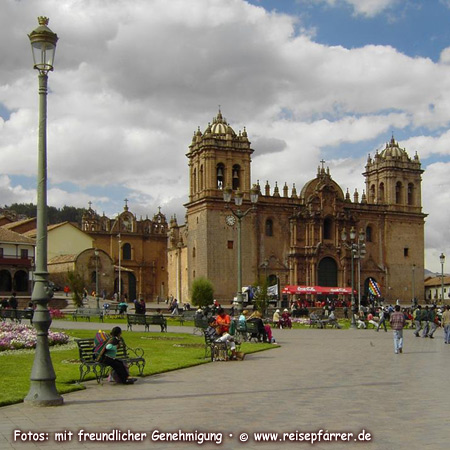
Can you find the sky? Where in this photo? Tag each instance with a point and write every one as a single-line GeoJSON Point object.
{"type": "Point", "coordinates": [309, 79]}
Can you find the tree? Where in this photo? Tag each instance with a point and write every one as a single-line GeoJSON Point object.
{"type": "Point", "coordinates": [77, 282]}
{"type": "Point", "coordinates": [260, 298]}
{"type": "Point", "coordinates": [202, 292]}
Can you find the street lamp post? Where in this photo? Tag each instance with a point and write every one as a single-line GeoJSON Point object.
{"type": "Point", "coordinates": [97, 299]}
{"type": "Point", "coordinates": [238, 199]}
{"type": "Point", "coordinates": [442, 259]}
{"type": "Point", "coordinates": [120, 268]}
{"type": "Point", "coordinates": [42, 380]}
{"type": "Point", "coordinates": [357, 248]}
{"type": "Point", "coordinates": [413, 285]}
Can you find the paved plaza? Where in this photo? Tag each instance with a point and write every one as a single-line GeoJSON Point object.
{"type": "Point", "coordinates": [330, 380]}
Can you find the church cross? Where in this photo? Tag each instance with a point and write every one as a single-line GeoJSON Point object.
{"type": "Point", "coordinates": [322, 161]}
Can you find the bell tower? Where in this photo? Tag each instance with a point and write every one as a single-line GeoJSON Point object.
{"type": "Point", "coordinates": [394, 179]}
{"type": "Point", "coordinates": [218, 158]}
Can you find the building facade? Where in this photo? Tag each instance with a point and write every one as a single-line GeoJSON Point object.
{"type": "Point", "coordinates": [138, 249]}
{"type": "Point", "coordinates": [296, 237]}
{"type": "Point", "coordinates": [17, 254]}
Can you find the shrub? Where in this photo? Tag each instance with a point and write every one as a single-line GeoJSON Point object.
{"type": "Point", "coordinates": [202, 292]}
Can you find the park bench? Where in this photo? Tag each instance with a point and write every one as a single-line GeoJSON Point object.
{"type": "Point", "coordinates": [142, 319]}
{"type": "Point", "coordinates": [87, 313]}
{"type": "Point", "coordinates": [200, 324]}
{"type": "Point", "coordinates": [252, 331]}
{"type": "Point", "coordinates": [315, 321]}
{"type": "Point", "coordinates": [332, 322]}
{"type": "Point", "coordinates": [88, 363]}
{"type": "Point", "coordinates": [187, 315]}
{"type": "Point", "coordinates": [16, 314]}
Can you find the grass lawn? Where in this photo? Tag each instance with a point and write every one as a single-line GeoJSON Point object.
{"type": "Point", "coordinates": [163, 352]}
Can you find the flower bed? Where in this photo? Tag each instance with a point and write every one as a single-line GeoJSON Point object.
{"type": "Point", "coordinates": [15, 336]}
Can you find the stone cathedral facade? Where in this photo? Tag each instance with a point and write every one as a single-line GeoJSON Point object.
{"type": "Point", "coordinates": [295, 235]}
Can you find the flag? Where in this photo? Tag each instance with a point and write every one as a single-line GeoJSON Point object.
{"type": "Point", "coordinates": [374, 289]}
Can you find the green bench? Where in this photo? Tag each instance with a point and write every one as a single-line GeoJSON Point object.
{"type": "Point", "coordinates": [16, 314]}
{"type": "Point", "coordinates": [142, 319]}
{"type": "Point", "coordinates": [87, 313]}
{"type": "Point", "coordinates": [88, 363]}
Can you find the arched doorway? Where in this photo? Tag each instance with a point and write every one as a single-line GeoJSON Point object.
{"type": "Point", "coordinates": [327, 272]}
{"type": "Point", "coordinates": [21, 281]}
{"type": "Point", "coordinates": [5, 281]}
{"type": "Point", "coordinates": [131, 287]}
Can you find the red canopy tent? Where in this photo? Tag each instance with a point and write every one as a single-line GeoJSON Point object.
{"type": "Point", "coordinates": [317, 290]}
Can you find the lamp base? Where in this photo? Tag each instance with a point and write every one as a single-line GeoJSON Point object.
{"type": "Point", "coordinates": [43, 393]}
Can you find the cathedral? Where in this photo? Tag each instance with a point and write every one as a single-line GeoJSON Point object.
{"type": "Point", "coordinates": [298, 238]}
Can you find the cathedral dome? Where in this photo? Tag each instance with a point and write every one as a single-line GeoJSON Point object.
{"type": "Point", "coordinates": [220, 126]}
{"type": "Point", "coordinates": [393, 150]}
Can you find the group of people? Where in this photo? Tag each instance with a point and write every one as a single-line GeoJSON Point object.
{"type": "Point", "coordinates": [282, 320]}
{"type": "Point", "coordinates": [10, 303]}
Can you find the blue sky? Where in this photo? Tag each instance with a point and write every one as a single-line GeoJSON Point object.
{"type": "Point", "coordinates": [310, 79]}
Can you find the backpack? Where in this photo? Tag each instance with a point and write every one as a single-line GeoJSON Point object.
{"type": "Point", "coordinates": [100, 340]}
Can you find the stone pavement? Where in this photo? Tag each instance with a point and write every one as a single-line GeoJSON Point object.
{"type": "Point", "coordinates": [335, 380]}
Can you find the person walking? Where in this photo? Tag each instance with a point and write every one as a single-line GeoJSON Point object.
{"type": "Point", "coordinates": [384, 315]}
{"type": "Point", "coordinates": [418, 320]}
{"type": "Point", "coordinates": [433, 321]}
{"type": "Point", "coordinates": [426, 319]}
{"type": "Point", "coordinates": [446, 324]}
{"type": "Point", "coordinates": [397, 321]}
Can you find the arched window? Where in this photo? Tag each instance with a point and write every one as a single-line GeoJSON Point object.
{"type": "Point", "coordinates": [220, 175]}
{"type": "Point", "coordinates": [381, 193]}
{"type": "Point", "coordinates": [200, 179]}
{"type": "Point", "coordinates": [236, 177]}
{"type": "Point", "coordinates": [410, 194]}
{"type": "Point", "coordinates": [269, 227]}
{"type": "Point", "coordinates": [368, 233]}
{"type": "Point", "coordinates": [21, 281]}
{"type": "Point", "coordinates": [327, 228]}
{"type": "Point", "coordinates": [372, 194]}
{"type": "Point", "coordinates": [126, 251]}
{"type": "Point", "coordinates": [5, 281]}
{"type": "Point", "coordinates": [398, 192]}
{"type": "Point", "coordinates": [193, 252]}
{"type": "Point", "coordinates": [194, 181]}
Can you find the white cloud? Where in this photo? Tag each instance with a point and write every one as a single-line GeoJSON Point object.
{"type": "Point", "coordinates": [368, 8]}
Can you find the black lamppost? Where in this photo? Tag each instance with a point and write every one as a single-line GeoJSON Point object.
{"type": "Point", "coordinates": [356, 245]}
{"type": "Point", "coordinates": [239, 215]}
{"type": "Point", "coordinates": [96, 279]}
{"type": "Point", "coordinates": [42, 386]}
{"type": "Point", "coordinates": [442, 259]}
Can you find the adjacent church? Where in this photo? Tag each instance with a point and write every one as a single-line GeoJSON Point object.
{"type": "Point", "coordinates": [296, 236]}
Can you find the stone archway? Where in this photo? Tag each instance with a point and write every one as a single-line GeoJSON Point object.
{"type": "Point", "coordinates": [21, 281]}
{"type": "Point", "coordinates": [5, 281]}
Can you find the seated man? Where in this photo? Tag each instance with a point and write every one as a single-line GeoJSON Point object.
{"type": "Point", "coordinates": [163, 323]}
{"type": "Point", "coordinates": [223, 321]}
{"type": "Point", "coordinates": [122, 306]}
{"type": "Point", "coordinates": [212, 333]}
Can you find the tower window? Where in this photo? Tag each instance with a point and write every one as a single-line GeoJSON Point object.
{"type": "Point", "coordinates": [200, 179]}
{"type": "Point", "coordinates": [406, 252]}
{"type": "Point", "coordinates": [220, 175]}
{"type": "Point", "coordinates": [230, 244]}
{"type": "Point", "coordinates": [381, 193]}
{"type": "Point", "coordinates": [368, 234]}
{"type": "Point", "coordinates": [269, 227]}
{"type": "Point", "coordinates": [236, 177]}
{"type": "Point", "coordinates": [410, 194]}
{"type": "Point", "coordinates": [398, 192]}
{"type": "Point", "coordinates": [372, 194]}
